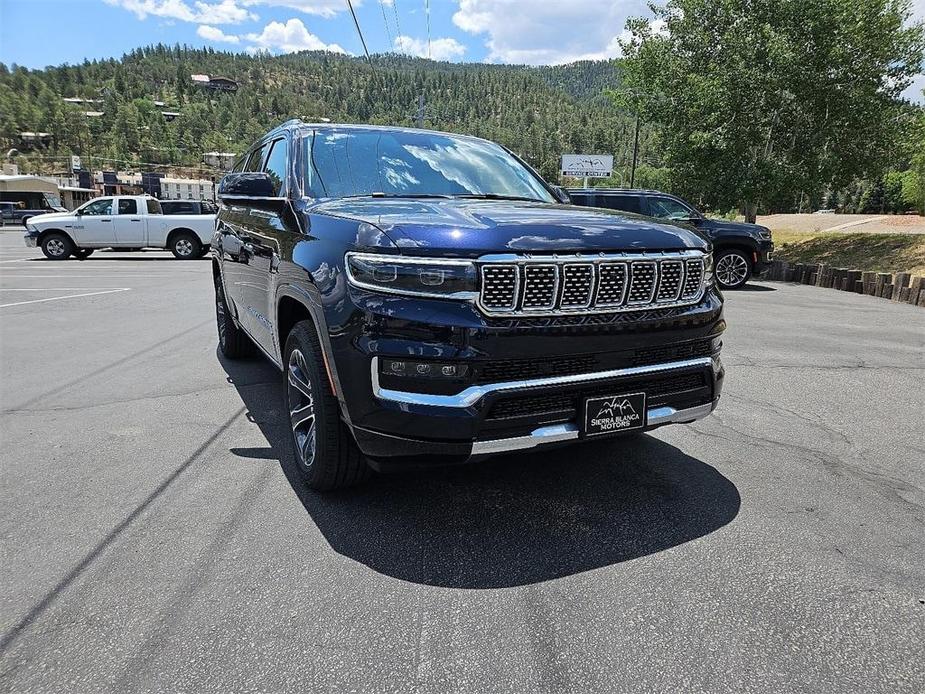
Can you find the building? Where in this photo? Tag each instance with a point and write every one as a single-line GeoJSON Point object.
{"type": "Point", "coordinates": [220, 160]}
{"type": "Point", "coordinates": [220, 84]}
{"type": "Point", "coordinates": [187, 189]}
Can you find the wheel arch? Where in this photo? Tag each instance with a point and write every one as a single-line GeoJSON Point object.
{"type": "Point", "coordinates": [44, 233]}
{"type": "Point", "coordinates": [735, 245]}
{"type": "Point", "coordinates": [173, 233]}
{"type": "Point", "coordinates": [294, 304]}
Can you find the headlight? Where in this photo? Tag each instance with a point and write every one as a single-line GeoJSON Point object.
{"type": "Point", "coordinates": [708, 270]}
{"type": "Point", "coordinates": [764, 234]}
{"type": "Point", "coordinates": [394, 274]}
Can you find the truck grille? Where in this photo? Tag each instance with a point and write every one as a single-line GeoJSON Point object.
{"type": "Point", "coordinates": [561, 285]}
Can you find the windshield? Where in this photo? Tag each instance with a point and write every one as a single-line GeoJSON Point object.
{"type": "Point", "coordinates": [355, 162]}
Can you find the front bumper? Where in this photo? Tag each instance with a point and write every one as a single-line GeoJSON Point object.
{"type": "Point", "coordinates": [31, 240]}
{"type": "Point", "coordinates": [762, 256]}
{"type": "Point", "coordinates": [397, 425]}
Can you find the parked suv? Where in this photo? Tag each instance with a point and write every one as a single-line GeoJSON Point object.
{"type": "Point", "coordinates": [739, 250]}
{"type": "Point", "coordinates": [431, 300]}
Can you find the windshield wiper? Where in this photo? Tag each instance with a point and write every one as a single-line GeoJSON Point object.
{"type": "Point", "coordinates": [496, 196]}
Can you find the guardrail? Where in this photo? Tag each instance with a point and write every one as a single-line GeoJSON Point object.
{"type": "Point", "coordinates": [901, 287]}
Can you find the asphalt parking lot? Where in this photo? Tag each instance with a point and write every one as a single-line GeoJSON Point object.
{"type": "Point", "coordinates": [155, 536]}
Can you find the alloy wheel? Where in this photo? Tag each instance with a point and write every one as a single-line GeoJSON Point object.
{"type": "Point", "coordinates": [55, 247]}
{"type": "Point", "coordinates": [184, 247]}
{"type": "Point", "coordinates": [301, 407]}
{"type": "Point", "coordinates": [731, 270]}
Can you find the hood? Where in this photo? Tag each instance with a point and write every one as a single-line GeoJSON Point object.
{"type": "Point", "coordinates": [476, 227]}
{"type": "Point", "coordinates": [737, 227]}
{"type": "Point", "coordinates": [49, 217]}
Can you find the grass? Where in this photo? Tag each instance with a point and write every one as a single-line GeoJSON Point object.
{"type": "Point", "coordinates": [868, 252]}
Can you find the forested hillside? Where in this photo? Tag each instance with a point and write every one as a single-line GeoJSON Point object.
{"type": "Point", "coordinates": [539, 112]}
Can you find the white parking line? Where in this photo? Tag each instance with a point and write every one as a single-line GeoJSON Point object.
{"type": "Point", "coordinates": [59, 298]}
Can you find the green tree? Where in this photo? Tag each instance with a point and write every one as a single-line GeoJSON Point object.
{"type": "Point", "coordinates": [757, 99]}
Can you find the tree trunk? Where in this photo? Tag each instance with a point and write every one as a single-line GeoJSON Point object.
{"type": "Point", "coordinates": [751, 212]}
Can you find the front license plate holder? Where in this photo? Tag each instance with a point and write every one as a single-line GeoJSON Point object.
{"type": "Point", "coordinates": [614, 414]}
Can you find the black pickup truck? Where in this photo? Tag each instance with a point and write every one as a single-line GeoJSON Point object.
{"type": "Point", "coordinates": [431, 300]}
{"type": "Point", "coordinates": [740, 250]}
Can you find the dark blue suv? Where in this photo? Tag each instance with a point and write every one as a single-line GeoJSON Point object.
{"type": "Point", "coordinates": [740, 250]}
{"type": "Point", "coordinates": [431, 300]}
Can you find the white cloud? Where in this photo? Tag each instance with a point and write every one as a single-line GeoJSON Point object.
{"type": "Point", "coordinates": [526, 31]}
{"type": "Point", "coordinates": [224, 12]}
{"type": "Point", "coordinates": [440, 49]}
{"type": "Point", "coordinates": [210, 33]}
{"type": "Point", "coordinates": [289, 38]}
{"type": "Point", "coordinates": [320, 8]}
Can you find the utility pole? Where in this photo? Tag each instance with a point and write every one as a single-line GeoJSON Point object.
{"type": "Point", "coordinates": [635, 153]}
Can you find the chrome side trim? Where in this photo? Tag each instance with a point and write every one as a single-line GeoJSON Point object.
{"type": "Point", "coordinates": [569, 432]}
{"type": "Point", "coordinates": [472, 394]}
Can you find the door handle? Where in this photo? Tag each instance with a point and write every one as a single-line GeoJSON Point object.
{"type": "Point", "coordinates": [136, 220]}
{"type": "Point", "coordinates": [105, 220]}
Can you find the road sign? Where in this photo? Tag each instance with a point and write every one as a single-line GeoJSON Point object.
{"type": "Point", "coordinates": [587, 165]}
{"type": "Point", "coordinates": [75, 163]}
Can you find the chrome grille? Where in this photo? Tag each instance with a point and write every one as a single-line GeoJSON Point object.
{"type": "Point", "coordinates": [540, 285]}
{"type": "Point", "coordinates": [514, 285]}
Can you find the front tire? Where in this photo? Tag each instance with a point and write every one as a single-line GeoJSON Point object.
{"type": "Point", "coordinates": [325, 452]}
{"type": "Point", "coordinates": [185, 246]}
{"type": "Point", "coordinates": [57, 246]}
{"type": "Point", "coordinates": [232, 342]}
{"type": "Point", "coordinates": [732, 268]}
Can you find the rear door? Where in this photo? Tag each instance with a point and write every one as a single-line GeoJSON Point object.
{"type": "Point", "coordinates": [128, 223]}
{"type": "Point", "coordinates": [239, 267]}
{"type": "Point", "coordinates": [262, 246]}
{"type": "Point", "coordinates": [93, 227]}
{"type": "Point", "coordinates": [624, 203]}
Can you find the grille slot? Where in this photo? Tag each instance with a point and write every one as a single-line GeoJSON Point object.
{"type": "Point", "coordinates": [577, 285]}
{"type": "Point", "coordinates": [599, 284]}
{"type": "Point", "coordinates": [612, 285]}
{"type": "Point", "coordinates": [540, 285]}
{"type": "Point", "coordinates": [642, 283]}
{"type": "Point", "coordinates": [669, 280]}
{"type": "Point", "coordinates": [499, 287]}
{"type": "Point", "coordinates": [693, 278]}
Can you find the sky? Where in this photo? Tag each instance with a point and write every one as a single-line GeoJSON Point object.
{"type": "Point", "coordinates": [501, 31]}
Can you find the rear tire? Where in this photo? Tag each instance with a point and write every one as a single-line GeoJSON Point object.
{"type": "Point", "coordinates": [185, 246]}
{"type": "Point", "coordinates": [232, 342]}
{"type": "Point", "coordinates": [732, 268]}
{"type": "Point", "coordinates": [325, 452]}
{"type": "Point", "coordinates": [57, 246]}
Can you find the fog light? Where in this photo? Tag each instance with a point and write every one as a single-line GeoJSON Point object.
{"type": "Point", "coordinates": [421, 369]}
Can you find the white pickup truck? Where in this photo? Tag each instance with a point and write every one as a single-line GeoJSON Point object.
{"type": "Point", "coordinates": [133, 221]}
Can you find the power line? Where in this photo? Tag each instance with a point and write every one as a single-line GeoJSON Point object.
{"type": "Point", "coordinates": [427, 13]}
{"type": "Point", "coordinates": [397, 25]}
{"type": "Point", "coordinates": [359, 31]}
{"type": "Point", "coordinates": [388, 32]}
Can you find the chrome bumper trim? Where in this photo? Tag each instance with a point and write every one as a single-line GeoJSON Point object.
{"type": "Point", "coordinates": [569, 431]}
{"type": "Point", "coordinates": [471, 395]}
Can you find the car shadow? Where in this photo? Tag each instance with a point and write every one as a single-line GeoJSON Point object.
{"type": "Point", "coordinates": [751, 287]}
{"type": "Point", "coordinates": [511, 520]}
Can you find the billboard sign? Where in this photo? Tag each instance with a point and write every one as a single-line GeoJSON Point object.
{"type": "Point", "coordinates": [587, 165]}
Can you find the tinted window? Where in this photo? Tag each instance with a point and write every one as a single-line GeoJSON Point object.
{"type": "Point", "coordinates": [276, 165]}
{"type": "Point", "coordinates": [255, 159]}
{"type": "Point", "coordinates": [128, 206]}
{"type": "Point", "coordinates": [98, 207]}
{"type": "Point", "coordinates": [666, 208]}
{"type": "Point", "coordinates": [345, 162]}
{"type": "Point", "coordinates": [154, 207]}
{"type": "Point", "coordinates": [208, 207]}
{"type": "Point", "coordinates": [626, 203]}
{"type": "Point", "coordinates": [181, 207]}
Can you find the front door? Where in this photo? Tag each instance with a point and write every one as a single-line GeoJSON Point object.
{"type": "Point", "coordinates": [128, 224]}
{"type": "Point", "coordinates": [93, 227]}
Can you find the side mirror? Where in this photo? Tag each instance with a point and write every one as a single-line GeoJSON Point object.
{"type": "Point", "coordinates": [79, 213]}
{"type": "Point", "coordinates": [561, 195]}
{"type": "Point", "coordinates": [252, 188]}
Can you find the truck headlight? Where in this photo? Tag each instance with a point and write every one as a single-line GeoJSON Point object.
{"type": "Point", "coordinates": [395, 274]}
{"type": "Point", "coordinates": [764, 234]}
{"type": "Point", "coordinates": [708, 270]}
